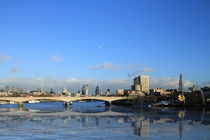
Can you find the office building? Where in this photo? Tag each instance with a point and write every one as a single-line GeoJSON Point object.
{"type": "Point", "coordinates": [181, 85]}
{"type": "Point", "coordinates": [141, 83]}
{"type": "Point", "coordinates": [107, 92]}
{"type": "Point", "coordinates": [97, 91]}
{"type": "Point", "coordinates": [85, 90]}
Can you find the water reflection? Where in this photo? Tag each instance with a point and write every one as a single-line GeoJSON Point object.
{"type": "Point", "coordinates": [141, 126]}
{"type": "Point", "coordinates": [143, 123]}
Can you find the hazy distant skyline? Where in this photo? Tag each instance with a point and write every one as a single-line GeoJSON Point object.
{"type": "Point", "coordinates": [104, 41]}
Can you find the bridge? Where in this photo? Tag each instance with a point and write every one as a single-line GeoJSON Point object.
{"type": "Point", "coordinates": [66, 99]}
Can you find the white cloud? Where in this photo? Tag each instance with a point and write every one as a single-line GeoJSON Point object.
{"type": "Point", "coordinates": [140, 72]}
{"type": "Point", "coordinates": [14, 69]}
{"type": "Point", "coordinates": [168, 83]}
{"type": "Point", "coordinates": [4, 57]}
{"type": "Point", "coordinates": [114, 67]}
{"type": "Point", "coordinates": [206, 84]}
{"type": "Point", "coordinates": [101, 67]}
{"type": "Point", "coordinates": [146, 70]}
{"type": "Point", "coordinates": [56, 58]}
{"type": "Point", "coordinates": [72, 84]}
{"type": "Point", "coordinates": [134, 73]}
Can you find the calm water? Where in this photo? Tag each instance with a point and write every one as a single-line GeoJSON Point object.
{"type": "Point", "coordinates": [93, 121]}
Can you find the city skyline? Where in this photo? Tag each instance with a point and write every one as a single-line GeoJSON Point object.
{"type": "Point", "coordinates": [53, 44]}
{"type": "Point", "coordinates": [140, 83]}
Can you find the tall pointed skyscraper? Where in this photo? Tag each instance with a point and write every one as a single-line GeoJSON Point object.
{"type": "Point", "coordinates": [181, 85]}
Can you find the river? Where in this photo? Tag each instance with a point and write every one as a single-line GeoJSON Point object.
{"type": "Point", "coordinates": [92, 120]}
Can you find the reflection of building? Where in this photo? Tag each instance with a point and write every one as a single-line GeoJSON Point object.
{"type": "Point", "coordinates": [84, 121]}
{"type": "Point", "coordinates": [120, 120]}
{"type": "Point", "coordinates": [141, 127]}
{"type": "Point", "coordinates": [97, 121]}
{"type": "Point", "coordinates": [181, 126]}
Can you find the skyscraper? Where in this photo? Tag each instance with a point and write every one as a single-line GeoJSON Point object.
{"type": "Point", "coordinates": [141, 83]}
{"type": "Point", "coordinates": [85, 90]}
{"type": "Point", "coordinates": [97, 91]}
{"type": "Point", "coordinates": [181, 85]}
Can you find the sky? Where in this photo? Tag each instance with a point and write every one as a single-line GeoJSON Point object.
{"type": "Point", "coordinates": [67, 43]}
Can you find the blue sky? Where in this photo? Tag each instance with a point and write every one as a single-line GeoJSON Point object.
{"type": "Point", "coordinates": [105, 39]}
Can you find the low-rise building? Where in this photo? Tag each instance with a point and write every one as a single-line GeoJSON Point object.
{"type": "Point", "coordinates": [192, 89]}
{"type": "Point", "coordinates": [206, 92]}
{"type": "Point", "coordinates": [120, 92]}
{"type": "Point", "coordinates": [159, 92]}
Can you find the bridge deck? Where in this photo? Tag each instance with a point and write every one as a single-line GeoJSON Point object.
{"type": "Point", "coordinates": [60, 98]}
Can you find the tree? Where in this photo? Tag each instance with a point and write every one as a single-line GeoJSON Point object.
{"type": "Point", "coordinates": [7, 89]}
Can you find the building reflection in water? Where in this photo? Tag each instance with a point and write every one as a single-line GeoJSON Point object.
{"type": "Point", "coordinates": [85, 121]}
{"type": "Point", "coordinates": [141, 126]}
{"type": "Point", "coordinates": [140, 122]}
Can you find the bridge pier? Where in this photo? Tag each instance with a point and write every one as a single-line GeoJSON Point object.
{"type": "Point", "coordinates": [20, 105]}
{"type": "Point", "coordinates": [108, 104]}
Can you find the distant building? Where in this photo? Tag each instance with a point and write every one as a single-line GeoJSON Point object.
{"type": "Point", "coordinates": [159, 91]}
{"type": "Point", "coordinates": [78, 94]}
{"type": "Point", "coordinates": [85, 90]}
{"type": "Point", "coordinates": [40, 90]}
{"type": "Point", "coordinates": [65, 92]}
{"type": "Point", "coordinates": [172, 91]}
{"type": "Point", "coordinates": [206, 92]}
{"type": "Point", "coordinates": [102, 93]}
{"type": "Point", "coordinates": [120, 92]}
{"type": "Point", "coordinates": [52, 91]}
{"type": "Point", "coordinates": [192, 89]}
{"type": "Point", "coordinates": [141, 83]}
{"type": "Point", "coordinates": [97, 91]}
{"type": "Point", "coordinates": [156, 90]}
{"type": "Point", "coordinates": [140, 87]}
{"type": "Point", "coordinates": [181, 84]}
{"type": "Point", "coordinates": [206, 89]}
{"type": "Point", "coordinates": [107, 92]}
